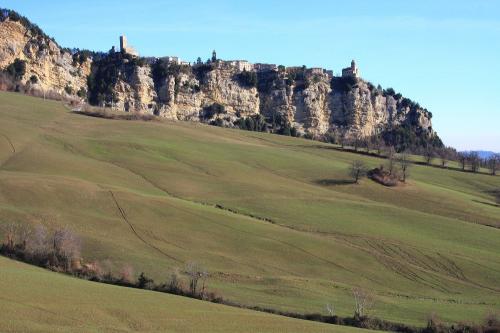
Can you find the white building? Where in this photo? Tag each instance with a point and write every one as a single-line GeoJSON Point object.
{"type": "Point", "coordinates": [265, 67]}
{"type": "Point", "coordinates": [175, 60]}
{"type": "Point", "coordinates": [241, 65]}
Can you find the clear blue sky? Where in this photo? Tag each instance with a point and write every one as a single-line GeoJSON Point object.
{"type": "Point", "coordinates": [445, 54]}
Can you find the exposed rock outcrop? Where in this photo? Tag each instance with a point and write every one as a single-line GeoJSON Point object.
{"type": "Point", "coordinates": [311, 102]}
{"type": "Point", "coordinates": [53, 67]}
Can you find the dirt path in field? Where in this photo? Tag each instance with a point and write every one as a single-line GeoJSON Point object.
{"type": "Point", "coordinates": [125, 218]}
{"type": "Point", "coordinates": [10, 142]}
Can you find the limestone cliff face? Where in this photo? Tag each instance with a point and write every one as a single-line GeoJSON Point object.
{"type": "Point", "coordinates": [311, 101]}
{"type": "Point", "coordinates": [54, 68]}
{"type": "Point", "coordinates": [186, 96]}
{"type": "Point", "coordinates": [311, 104]}
{"type": "Point", "coordinates": [135, 90]}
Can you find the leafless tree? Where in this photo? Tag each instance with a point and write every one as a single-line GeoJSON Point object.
{"type": "Point", "coordinates": [357, 141]}
{"type": "Point", "coordinates": [462, 159]}
{"type": "Point", "coordinates": [330, 309]}
{"type": "Point", "coordinates": [175, 280]}
{"type": "Point", "coordinates": [24, 235]}
{"type": "Point", "coordinates": [474, 161]}
{"type": "Point", "coordinates": [429, 155]}
{"type": "Point", "coordinates": [404, 165]}
{"type": "Point", "coordinates": [379, 144]}
{"type": "Point", "coordinates": [391, 153]}
{"type": "Point", "coordinates": [66, 245]}
{"type": "Point", "coordinates": [443, 156]}
{"type": "Point", "coordinates": [342, 136]}
{"type": "Point", "coordinates": [196, 272]}
{"type": "Point", "coordinates": [357, 170]}
{"type": "Point", "coordinates": [10, 232]}
{"type": "Point", "coordinates": [107, 268]}
{"type": "Point", "coordinates": [38, 243]}
{"type": "Point", "coordinates": [127, 273]}
{"type": "Point", "coordinates": [363, 301]}
{"type": "Point", "coordinates": [494, 164]}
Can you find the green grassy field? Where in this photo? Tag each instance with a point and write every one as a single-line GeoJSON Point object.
{"type": "Point", "coordinates": [58, 303]}
{"type": "Point", "coordinates": [432, 245]}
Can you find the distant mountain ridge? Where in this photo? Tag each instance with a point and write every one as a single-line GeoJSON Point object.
{"type": "Point", "coordinates": [484, 154]}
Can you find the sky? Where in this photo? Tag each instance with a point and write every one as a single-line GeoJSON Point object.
{"type": "Point", "coordinates": [444, 54]}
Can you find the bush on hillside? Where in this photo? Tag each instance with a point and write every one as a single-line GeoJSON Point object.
{"type": "Point", "coordinates": [343, 84]}
{"type": "Point", "coordinates": [17, 69]}
{"type": "Point", "coordinates": [247, 79]}
{"type": "Point", "coordinates": [384, 177]}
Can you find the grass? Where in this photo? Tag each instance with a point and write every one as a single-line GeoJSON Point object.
{"type": "Point", "coordinates": [274, 219]}
{"type": "Point", "coordinates": [58, 303]}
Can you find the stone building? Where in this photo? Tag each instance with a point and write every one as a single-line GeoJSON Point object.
{"type": "Point", "coordinates": [352, 71]}
{"type": "Point", "coordinates": [125, 48]}
{"type": "Point", "coordinates": [241, 65]}
{"type": "Point", "coordinates": [265, 67]}
{"type": "Point", "coordinates": [315, 70]}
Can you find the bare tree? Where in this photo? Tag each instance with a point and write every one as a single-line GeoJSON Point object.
{"type": "Point", "coordinates": [24, 233]}
{"type": "Point", "coordinates": [494, 164]}
{"type": "Point", "coordinates": [462, 159]}
{"type": "Point", "coordinates": [474, 161]}
{"type": "Point", "coordinates": [38, 243]}
{"type": "Point", "coordinates": [330, 309]}
{"type": "Point", "coordinates": [368, 143]}
{"type": "Point", "coordinates": [379, 144]}
{"type": "Point", "coordinates": [391, 153]}
{"type": "Point", "coordinates": [175, 281]}
{"type": "Point", "coordinates": [10, 232]}
{"type": "Point", "coordinates": [357, 170]}
{"type": "Point", "coordinates": [196, 272]}
{"type": "Point", "coordinates": [404, 165]}
{"type": "Point", "coordinates": [443, 156]}
{"type": "Point", "coordinates": [127, 273]}
{"type": "Point", "coordinates": [342, 136]}
{"type": "Point", "coordinates": [429, 155]}
{"type": "Point", "coordinates": [357, 141]}
{"type": "Point", "coordinates": [363, 302]}
{"type": "Point", "coordinates": [66, 246]}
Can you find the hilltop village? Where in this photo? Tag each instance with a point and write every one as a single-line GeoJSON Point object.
{"type": "Point", "coordinates": [297, 101]}
{"type": "Point", "coordinates": [240, 65]}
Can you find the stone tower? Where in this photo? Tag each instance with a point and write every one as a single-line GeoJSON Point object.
{"type": "Point", "coordinates": [214, 56]}
{"type": "Point", "coordinates": [123, 44]}
{"type": "Point", "coordinates": [352, 71]}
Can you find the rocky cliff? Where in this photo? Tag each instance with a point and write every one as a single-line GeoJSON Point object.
{"type": "Point", "coordinates": [48, 67]}
{"type": "Point", "coordinates": [288, 100]}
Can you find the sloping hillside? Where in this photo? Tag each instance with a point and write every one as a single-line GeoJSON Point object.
{"type": "Point", "coordinates": [273, 218]}
{"type": "Point", "coordinates": [57, 303]}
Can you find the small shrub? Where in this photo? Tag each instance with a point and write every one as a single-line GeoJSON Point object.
{"type": "Point", "coordinates": [69, 90]}
{"type": "Point", "coordinates": [17, 69]}
{"type": "Point", "coordinates": [143, 282]}
{"type": "Point", "coordinates": [247, 79]}
{"type": "Point", "coordinates": [344, 84]}
{"type": "Point", "coordinates": [384, 177]}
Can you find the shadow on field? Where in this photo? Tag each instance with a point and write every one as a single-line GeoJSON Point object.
{"type": "Point", "coordinates": [334, 182]}
{"type": "Point", "coordinates": [486, 203]}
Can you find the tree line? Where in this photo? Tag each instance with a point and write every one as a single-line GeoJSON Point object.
{"type": "Point", "coordinates": [60, 250]}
